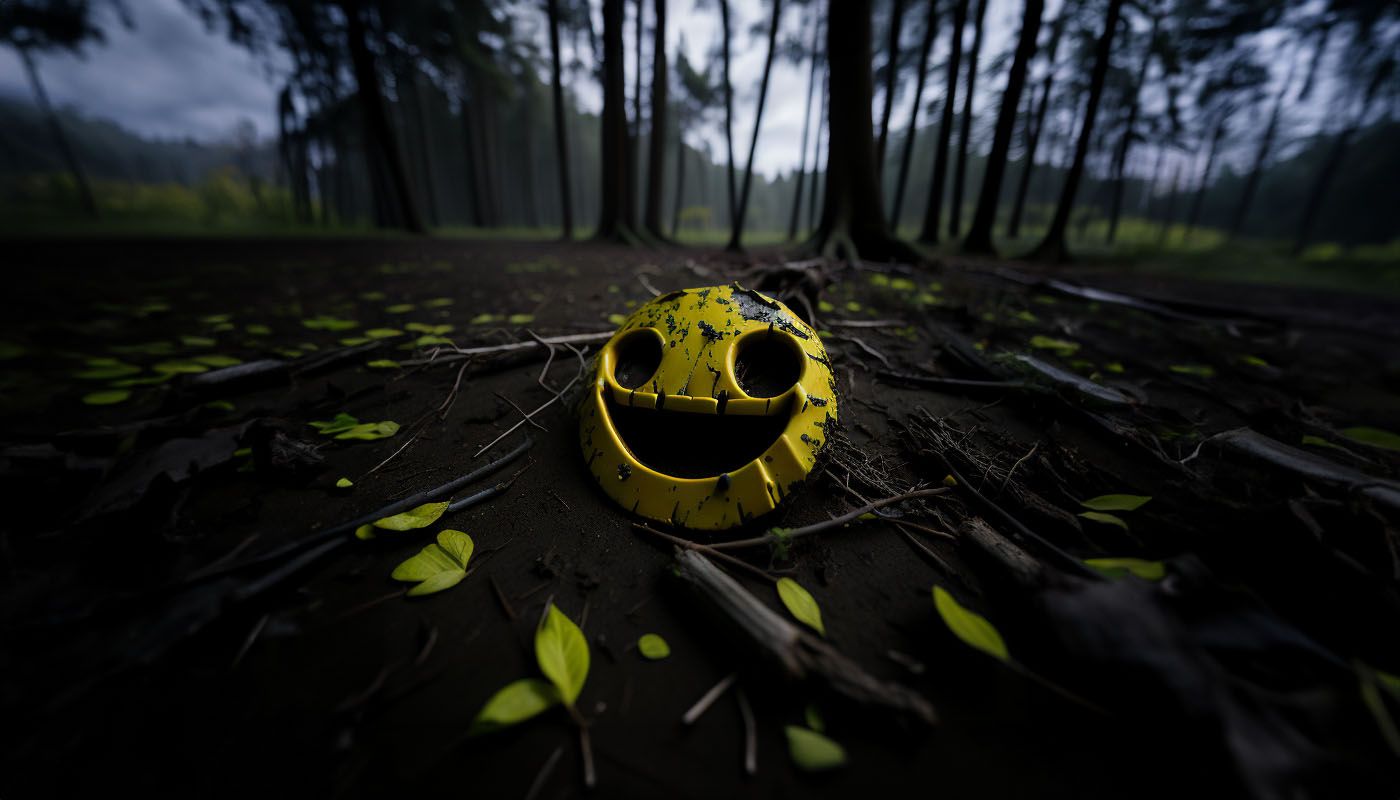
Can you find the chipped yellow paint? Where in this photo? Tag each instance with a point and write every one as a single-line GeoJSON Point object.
{"type": "Point", "coordinates": [701, 410]}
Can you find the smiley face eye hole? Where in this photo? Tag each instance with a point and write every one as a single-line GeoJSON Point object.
{"type": "Point", "coordinates": [767, 364]}
{"type": "Point", "coordinates": [637, 355]}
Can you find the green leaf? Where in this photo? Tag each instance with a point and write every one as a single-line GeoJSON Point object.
{"type": "Point", "coordinates": [438, 566]}
{"type": "Point", "coordinates": [562, 653]}
{"type": "Point", "coordinates": [382, 333]}
{"type": "Point", "coordinates": [1318, 441]}
{"type": "Point", "coordinates": [1253, 361]}
{"type": "Point", "coordinates": [485, 319]}
{"type": "Point", "coordinates": [383, 363]}
{"type": "Point", "coordinates": [364, 533]}
{"type": "Point", "coordinates": [400, 308]}
{"type": "Point", "coordinates": [370, 431]}
{"type": "Point", "coordinates": [340, 422]}
{"type": "Point", "coordinates": [414, 518]}
{"type": "Point", "coordinates": [180, 367]}
{"type": "Point", "coordinates": [514, 704]}
{"type": "Point", "coordinates": [425, 341]}
{"type": "Point", "coordinates": [1113, 366]}
{"type": "Point", "coordinates": [437, 302]}
{"type": "Point", "coordinates": [801, 604]}
{"type": "Point", "coordinates": [354, 341]}
{"type": "Point", "coordinates": [324, 323]}
{"type": "Point", "coordinates": [1115, 502]}
{"type": "Point", "coordinates": [520, 319]}
{"type": "Point", "coordinates": [1107, 519]}
{"type": "Point", "coordinates": [1198, 370]}
{"type": "Point", "coordinates": [220, 405]}
{"type": "Point", "coordinates": [423, 327]}
{"type": "Point", "coordinates": [10, 350]}
{"type": "Point", "coordinates": [811, 751]}
{"type": "Point", "coordinates": [1059, 347]}
{"type": "Point", "coordinates": [217, 361]}
{"type": "Point", "coordinates": [149, 380]}
{"type": "Point", "coordinates": [106, 397]}
{"type": "Point", "coordinates": [257, 329]}
{"type": "Point", "coordinates": [971, 627]}
{"type": "Point", "coordinates": [344, 483]}
{"type": "Point", "coordinates": [197, 341]}
{"type": "Point", "coordinates": [1121, 567]}
{"type": "Point", "coordinates": [814, 719]}
{"type": "Point", "coordinates": [1374, 437]}
{"type": "Point", "coordinates": [653, 647]}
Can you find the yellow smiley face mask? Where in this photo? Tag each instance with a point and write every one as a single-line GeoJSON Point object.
{"type": "Point", "coordinates": [709, 407]}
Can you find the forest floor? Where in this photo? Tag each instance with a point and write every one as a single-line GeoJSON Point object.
{"type": "Point", "coordinates": [1255, 654]}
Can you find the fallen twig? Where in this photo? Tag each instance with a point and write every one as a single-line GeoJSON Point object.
{"type": "Point", "coordinates": [582, 368]}
{"type": "Point", "coordinates": [709, 550]}
{"type": "Point", "coordinates": [750, 733]}
{"type": "Point", "coordinates": [771, 538]}
{"type": "Point", "coordinates": [459, 353]}
{"type": "Point", "coordinates": [708, 699]}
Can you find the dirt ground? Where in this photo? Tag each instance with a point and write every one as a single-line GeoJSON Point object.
{"type": "Point", "coordinates": [1237, 673]}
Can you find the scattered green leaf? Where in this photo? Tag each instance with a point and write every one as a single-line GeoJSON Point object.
{"type": "Point", "coordinates": [1059, 347]}
{"type": "Point", "coordinates": [400, 308]}
{"type": "Point", "coordinates": [426, 341]}
{"type": "Point", "coordinates": [1254, 361]}
{"type": "Point", "coordinates": [180, 367]}
{"type": "Point", "coordinates": [219, 405]}
{"type": "Point", "coordinates": [106, 397]}
{"type": "Point", "coordinates": [370, 431]}
{"type": "Point", "coordinates": [1318, 441]}
{"type": "Point", "coordinates": [517, 702]}
{"type": "Point", "coordinates": [414, 518]}
{"type": "Point", "coordinates": [811, 751]}
{"type": "Point", "coordinates": [801, 604]}
{"type": "Point", "coordinates": [438, 566]}
{"type": "Point", "coordinates": [344, 483]}
{"type": "Point", "coordinates": [1107, 519]}
{"type": "Point", "coordinates": [217, 361]}
{"type": "Point", "coordinates": [1122, 567]}
{"type": "Point", "coordinates": [340, 422]}
{"type": "Point", "coordinates": [1375, 437]}
{"type": "Point", "coordinates": [324, 323]}
{"type": "Point", "coordinates": [257, 329]}
{"type": "Point", "coordinates": [364, 533]}
{"type": "Point", "coordinates": [197, 341]}
{"type": "Point", "coordinates": [814, 719]}
{"type": "Point", "coordinates": [562, 653]}
{"type": "Point", "coordinates": [382, 333]}
{"type": "Point", "coordinates": [382, 363]}
{"type": "Point", "coordinates": [653, 647]}
{"type": "Point", "coordinates": [1197, 370]}
{"type": "Point", "coordinates": [104, 372]}
{"type": "Point", "coordinates": [1116, 502]}
{"type": "Point", "coordinates": [520, 319]}
{"type": "Point", "coordinates": [438, 302]}
{"type": "Point", "coordinates": [971, 627]}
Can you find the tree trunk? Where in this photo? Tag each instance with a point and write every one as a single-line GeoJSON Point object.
{"type": "Point", "coordinates": [414, 93]}
{"type": "Point", "coordinates": [1334, 158]}
{"type": "Point", "coordinates": [1171, 207]}
{"type": "Point", "coordinates": [736, 230]}
{"type": "Point", "coordinates": [853, 220]}
{"type": "Point", "coordinates": [1053, 247]}
{"type": "Point", "coordinates": [979, 237]}
{"type": "Point", "coordinates": [728, 109]}
{"type": "Point", "coordinates": [934, 210]}
{"type": "Point", "coordinates": [613, 223]}
{"type": "Point", "coordinates": [1120, 163]}
{"type": "Point", "coordinates": [75, 168]}
{"type": "Point", "coordinates": [930, 31]}
{"type": "Point", "coordinates": [561, 144]}
{"type": "Point", "coordinates": [1200, 197]}
{"type": "Point", "coordinates": [680, 184]}
{"type": "Point", "coordinates": [1266, 143]}
{"type": "Point", "coordinates": [657, 143]}
{"type": "Point", "coordinates": [634, 140]}
{"type": "Point", "coordinates": [384, 158]}
{"type": "Point", "coordinates": [960, 173]}
{"type": "Point", "coordinates": [891, 83]}
{"type": "Point", "coordinates": [806, 125]}
{"type": "Point", "coordinates": [817, 148]}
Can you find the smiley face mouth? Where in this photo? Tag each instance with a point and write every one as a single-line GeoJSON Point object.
{"type": "Point", "coordinates": [696, 445]}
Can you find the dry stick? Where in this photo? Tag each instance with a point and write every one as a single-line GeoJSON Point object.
{"type": "Point", "coordinates": [856, 340]}
{"type": "Point", "coordinates": [708, 699]}
{"type": "Point", "coordinates": [903, 527]}
{"type": "Point", "coordinates": [521, 411]}
{"type": "Point", "coordinates": [459, 353]}
{"type": "Point", "coordinates": [933, 382]}
{"type": "Point", "coordinates": [452, 395]}
{"type": "Point", "coordinates": [545, 771]}
{"type": "Point", "coordinates": [750, 733]}
{"type": "Point", "coordinates": [1018, 463]}
{"type": "Point", "coordinates": [642, 279]}
{"type": "Point", "coordinates": [501, 598]}
{"type": "Point", "coordinates": [586, 750]}
{"type": "Point", "coordinates": [1065, 561]}
{"type": "Point", "coordinates": [248, 642]}
{"type": "Point", "coordinates": [582, 368]}
{"type": "Point", "coordinates": [709, 550]}
{"type": "Point", "coordinates": [831, 524]}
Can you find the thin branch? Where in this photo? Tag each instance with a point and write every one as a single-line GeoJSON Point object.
{"type": "Point", "coordinates": [545, 771]}
{"type": "Point", "coordinates": [834, 523]}
{"type": "Point", "coordinates": [750, 733]}
{"type": "Point", "coordinates": [459, 353]}
{"type": "Point", "coordinates": [708, 699]}
{"type": "Point", "coordinates": [583, 367]}
{"type": "Point", "coordinates": [709, 550]}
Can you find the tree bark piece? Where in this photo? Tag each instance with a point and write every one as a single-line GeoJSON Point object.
{"type": "Point", "coordinates": [798, 655]}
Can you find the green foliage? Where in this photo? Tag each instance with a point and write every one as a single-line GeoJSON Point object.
{"type": "Point", "coordinates": [654, 647]}
{"type": "Point", "coordinates": [438, 566]}
{"type": "Point", "coordinates": [1194, 370]}
{"type": "Point", "coordinates": [107, 397]}
{"type": "Point", "coordinates": [811, 751]}
{"type": "Point", "coordinates": [801, 604]}
{"type": "Point", "coordinates": [1374, 437]}
{"type": "Point", "coordinates": [1116, 502]}
{"type": "Point", "coordinates": [1059, 347]}
{"type": "Point", "coordinates": [517, 702]}
{"type": "Point", "coordinates": [340, 422]}
{"type": "Point", "coordinates": [562, 653]}
{"type": "Point", "coordinates": [344, 483]}
{"type": "Point", "coordinates": [1122, 567]}
{"type": "Point", "coordinates": [972, 628]}
{"type": "Point", "coordinates": [1106, 519]}
{"type": "Point", "coordinates": [420, 517]}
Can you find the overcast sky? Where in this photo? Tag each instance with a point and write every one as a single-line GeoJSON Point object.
{"type": "Point", "coordinates": [169, 76]}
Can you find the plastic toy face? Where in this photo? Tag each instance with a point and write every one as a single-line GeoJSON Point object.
{"type": "Point", "coordinates": [709, 407]}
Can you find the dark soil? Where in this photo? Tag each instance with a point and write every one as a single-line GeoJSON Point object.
{"type": "Point", "coordinates": [1281, 590]}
